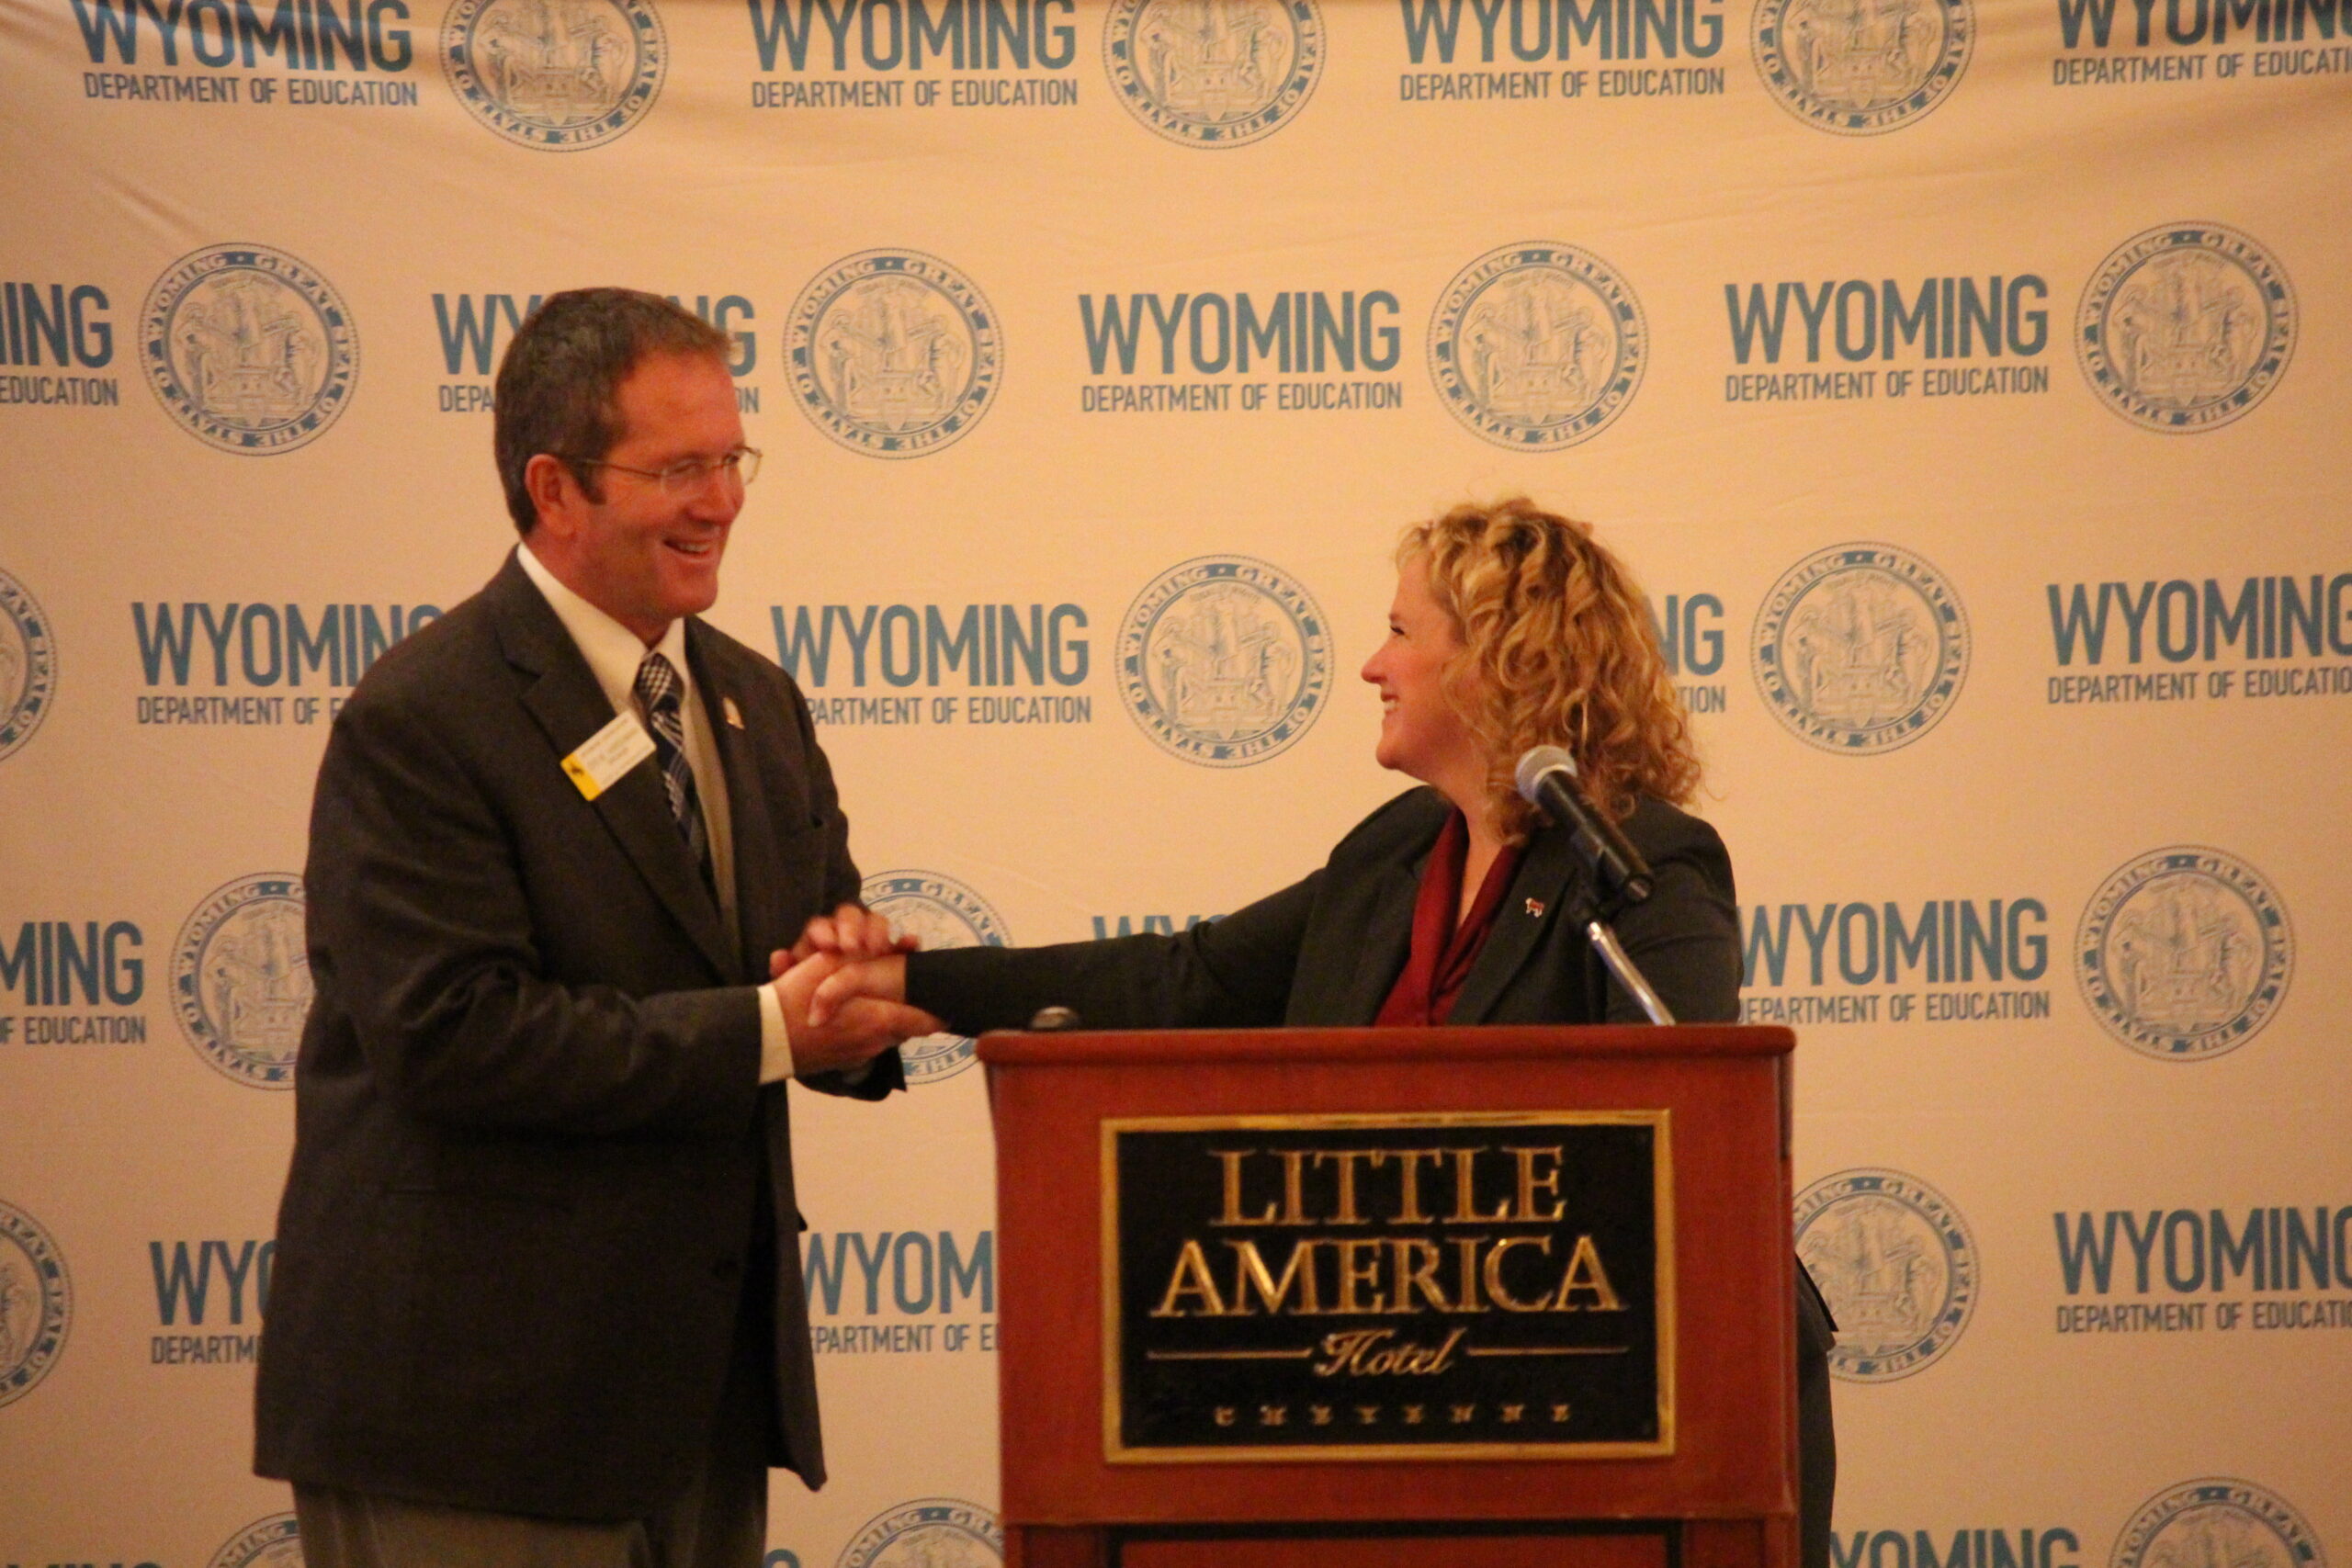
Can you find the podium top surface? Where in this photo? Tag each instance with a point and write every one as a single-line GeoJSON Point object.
{"type": "Point", "coordinates": [1110, 1047]}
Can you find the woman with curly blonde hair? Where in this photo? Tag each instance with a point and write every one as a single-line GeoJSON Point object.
{"type": "Point", "coordinates": [1455, 903]}
{"type": "Point", "coordinates": [1557, 650]}
{"type": "Point", "coordinates": [1536, 636]}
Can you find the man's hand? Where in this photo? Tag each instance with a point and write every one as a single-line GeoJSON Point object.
{"type": "Point", "coordinates": [873, 982]}
{"type": "Point", "coordinates": [851, 932]}
{"type": "Point", "coordinates": [851, 1030]}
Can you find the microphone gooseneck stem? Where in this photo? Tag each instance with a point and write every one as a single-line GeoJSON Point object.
{"type": "Point", "coordinates": [1604, 941]}
{"type": "Point", "coordinates": [1546, 777]}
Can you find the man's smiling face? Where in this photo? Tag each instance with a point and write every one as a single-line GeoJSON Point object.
{"type": "Point", "coordinates": [642, 555]}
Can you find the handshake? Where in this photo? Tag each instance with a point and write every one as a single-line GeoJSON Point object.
{"type": "Point", "coordinates": [844, 989]}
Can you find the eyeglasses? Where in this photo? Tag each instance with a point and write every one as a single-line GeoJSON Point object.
{"type": "Point", "coordinates": [688, 475]}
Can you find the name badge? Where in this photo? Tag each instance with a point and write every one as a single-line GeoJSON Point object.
{"type": "Point", "coordinates": [607, 754]}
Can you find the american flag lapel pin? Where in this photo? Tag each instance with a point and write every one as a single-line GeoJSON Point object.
{"type": "Point", "coordinates": [1535, 908]}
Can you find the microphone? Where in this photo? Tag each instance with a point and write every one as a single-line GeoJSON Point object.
{"type": "Point", "coordinates": [1546, 776]}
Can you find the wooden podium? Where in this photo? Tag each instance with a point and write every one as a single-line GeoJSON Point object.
{"type": "Point", "coordinates": [1477, 1297]}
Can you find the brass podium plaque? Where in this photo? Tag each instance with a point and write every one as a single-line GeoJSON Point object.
{"type": "Point", "coordinates": [1461, 1285]}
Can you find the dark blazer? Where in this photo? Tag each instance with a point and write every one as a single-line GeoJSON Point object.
{"type": "Point", "coordinates": [530, 1136]}
{"type": "Point", "coordinates": [1328, 949]}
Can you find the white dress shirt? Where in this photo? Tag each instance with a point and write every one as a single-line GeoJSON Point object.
{"type": "Point", "coordinates": [613, 653]}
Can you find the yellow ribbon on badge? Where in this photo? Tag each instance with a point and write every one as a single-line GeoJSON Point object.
{"type": "Point", "coordinates": [589, 788]}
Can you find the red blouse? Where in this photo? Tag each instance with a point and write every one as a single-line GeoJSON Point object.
{"type": "Point", "coordinates": [1443, 952]}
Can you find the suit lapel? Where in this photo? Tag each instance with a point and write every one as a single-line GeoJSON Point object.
{"type": "Point", "coordinates": [751, 820]}
{"type": "Point", "coordinates": [1547, 871]}
{"type": "Point", "coordinates": [1386, 935]}
{"type": "Point", "coordinates": [568, 707]}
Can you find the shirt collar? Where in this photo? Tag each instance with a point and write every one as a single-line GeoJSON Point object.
{"type": "Point", "coordinates": [611, 650]}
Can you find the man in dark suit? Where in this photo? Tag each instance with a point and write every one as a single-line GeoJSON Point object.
{"type": "Point", "coordinates": [537, 1296]}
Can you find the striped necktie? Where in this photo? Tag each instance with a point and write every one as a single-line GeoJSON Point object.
{"type": "Point", "coordinates": [662, 695]}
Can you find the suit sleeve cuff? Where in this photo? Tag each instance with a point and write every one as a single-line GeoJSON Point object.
{"type": "Point", "coordinates": [775, 1040]}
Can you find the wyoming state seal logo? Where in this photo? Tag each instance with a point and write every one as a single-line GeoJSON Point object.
{"type": "Point", "coordinates": [36, 1302]}
{"type": "Point", "coordinates": [943, 912]}
{"type": "Point", "coordinates": [27, 665]}
{"type": "Point", "coordinates": [2185, 327]}
{"type": "Point", "coordinates": [1897, 1264]}
{"type": "Point", "coordinates": [894, 354]}
{"type": "Point", "coordinates": [240, 979]}
{"type": "Point", "coordinates": [1213, 73]}
{"type": "Point", "coordinates": [275, 1541]}
{"type": "Point", "coordinates": [931, 1532]}
{"type": "Point", "coordinates": [2218, 1519]}
{"type": "Point", "coordinates": [1537, 347]}
{"type": "Point", "coordinates": [2184, 953]}
{"type": "Point", "coordinates": [1225, 661]}
{"type": "Point", "coordinates": [249, 348]}
{"type": "Point", "coordinates": [1859, 67]}
{"type": "Point", "coordinates": [1860, 649]}
{"type": "Point", "coordinates": [557, 76]}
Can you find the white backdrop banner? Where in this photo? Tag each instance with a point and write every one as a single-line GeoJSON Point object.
{"type": "Point", "coordinates": [1964, 381]}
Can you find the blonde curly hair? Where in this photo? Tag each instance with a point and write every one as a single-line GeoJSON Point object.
{"type": "Point", "coordinates": [1557, 650]}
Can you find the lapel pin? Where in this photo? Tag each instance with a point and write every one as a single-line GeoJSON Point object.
{"type": "Point", "coordinates": [1535, 907]}
{"type": "Point", "coordinates": [734, 713]}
